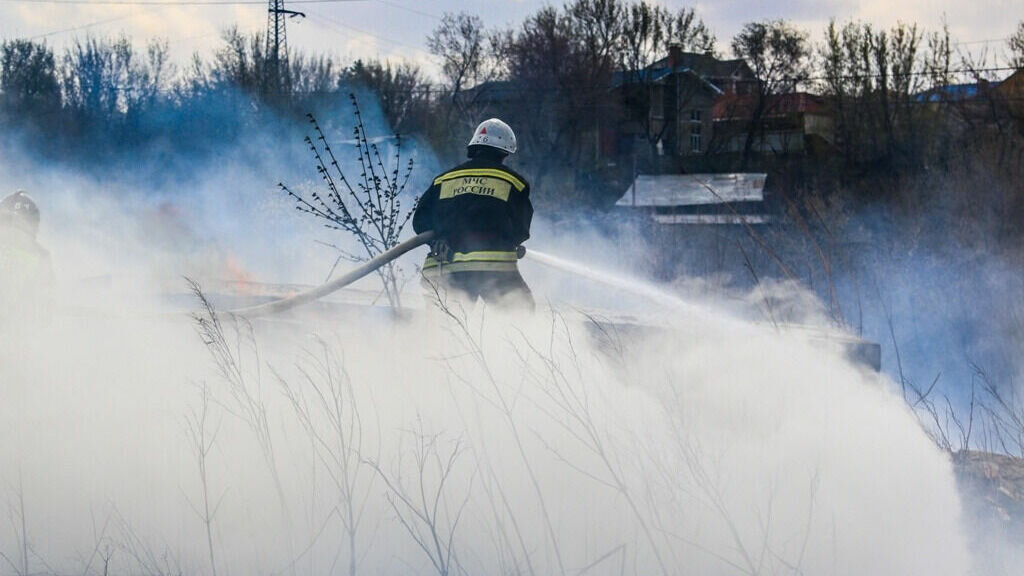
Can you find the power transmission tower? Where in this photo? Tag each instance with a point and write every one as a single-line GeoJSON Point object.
{"type": "Point", "coordinates": [277, 76]}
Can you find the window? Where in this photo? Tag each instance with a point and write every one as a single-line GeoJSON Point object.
{"type": "Point", "coordinates": [657, 102]}
{"type": "Point", "coordinates": [696, 127]}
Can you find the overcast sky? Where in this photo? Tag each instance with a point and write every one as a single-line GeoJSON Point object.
{"type": "Point", "coordinates": [397, 28]}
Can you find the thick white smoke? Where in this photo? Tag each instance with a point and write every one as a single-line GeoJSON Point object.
{"type": "Point", "coordinates": [561, 442]}
{"type": "Point", "coordinates": [717, 448]}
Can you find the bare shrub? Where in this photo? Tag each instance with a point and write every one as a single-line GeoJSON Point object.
{"type": "Point", "coordinates": [423, 505]}
{"type": "Point", "coordinates": [368, 207]}
{"type": "Point", "coordinates": [202, 438]}
{"type": "Point", "coordinates": [325, 405]}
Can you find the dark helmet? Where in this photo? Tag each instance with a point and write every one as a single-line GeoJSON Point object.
{"type": "Point", "coordinates": [20, 210]}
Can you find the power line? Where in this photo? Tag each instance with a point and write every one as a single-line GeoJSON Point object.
{"type": "Point", "coordinates": [408, 9]}
{"type": "Point", "coordinates": [877, 75]}
{"type": "Point", "coordinates": [179, 40]}
{"type": "Point", "coordinates": [83, 26]}
{"type": "Point", "coordinates": [173, 2]}
{"type": "Point", "coordinates": [317, 17]}
{"type": "Point", "coordinates": [510, 88]}
{"type": "Point", "coordinates": [989, 41]}
{"type": "Point", "coordinates": [164, 3]}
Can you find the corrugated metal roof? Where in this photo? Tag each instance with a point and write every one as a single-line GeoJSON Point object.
{"type": "Point", "coordinates": [667, 190]}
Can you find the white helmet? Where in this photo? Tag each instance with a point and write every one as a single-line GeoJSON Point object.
{"type": "Point", "coordinates": [496, 134]}
{"type": "Point", "coordinates": [20, 210]}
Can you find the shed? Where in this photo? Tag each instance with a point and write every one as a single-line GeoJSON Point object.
{"type": "Point", "coordinates": [706, 199]}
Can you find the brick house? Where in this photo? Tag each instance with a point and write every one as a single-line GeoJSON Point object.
{"type": "Point", "coordinates": [793, 123]}
{"type": "Point", "coordinates": [667, 108]}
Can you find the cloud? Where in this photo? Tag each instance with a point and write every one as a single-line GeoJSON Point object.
{"type": "Point", "coordinates": [969, 22]}
{"type": "Point", "coordinates": [397, 29]}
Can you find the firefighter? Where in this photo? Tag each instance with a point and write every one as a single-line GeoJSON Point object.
{"type": "Point", "coordinates": [481, 213]}
{"type": "Point", "coordinates": [26, 275]}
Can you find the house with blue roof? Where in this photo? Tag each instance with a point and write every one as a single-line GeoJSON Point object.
{"type": "Point", "coordinates": [955, 92]}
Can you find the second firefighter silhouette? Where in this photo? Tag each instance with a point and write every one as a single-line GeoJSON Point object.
{"type": "Point", "coordinates": [480, 211]}
{"type": "Point", "coordinates": [26, 276]}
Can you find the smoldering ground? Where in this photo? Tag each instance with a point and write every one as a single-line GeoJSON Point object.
{"type": "Point", "coordinates": [138, 440]}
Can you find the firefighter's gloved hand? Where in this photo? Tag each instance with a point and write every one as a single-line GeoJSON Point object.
{"type": "Point", "coordinates": [520, 252]}
{"type": "Point", "coordinates": [439, 249]}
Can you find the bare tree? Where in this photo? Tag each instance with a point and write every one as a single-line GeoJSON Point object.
{"type": "Point", "coordinates": [1003, 408]}
{"type": "Point", "coordinates": [202, 439]}
{"type": "Point", "coordinates": [421, 503]}
{"type": "Point", "coordinates": [229, 346]}
{"type": "Point", "coordinates": [1015, 45]}
{"type": "Point", "coordinates": [460, 43]}
{"type": "Point", "coordinates": [367, 207]}
{"type": "Point", "coordinates": [103, 549]}
{"type": "Point", "coordinates": [401, 88]}
{"type": "Point", "coordinates": [108, 81]}
{"type": "Point", "coordinates": [777, 52]}
{"type": "Point", "coordinates": [236, 355]}
{"type": "Point", "coordinates": [649, 32]}
{"type": "Point", "coordinates": [240, 63]}
{"type": "Point", "coordinates": [495, 394]}
{"type": "Point", "coordinates": [28, 79]}
{"type": "Point", "coordinates": [16, 516]}
{"type": "Point", "coordinates": [558, 65]}
{"type": "Point", "coordinates": [148, 560]}
{"type": "Point", "coordinates": [876, 79]}
{"type": "Point", "coordinates": [571, 405]}
{"type": "Point", "coordinates": [326, 407]}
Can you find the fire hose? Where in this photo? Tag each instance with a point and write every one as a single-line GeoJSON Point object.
{"type": "Point", "coordinates": [384, 258]}
{"type": "Point", "coordinates": [349, 277]}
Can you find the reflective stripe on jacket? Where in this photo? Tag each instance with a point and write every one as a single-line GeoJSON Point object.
{"type": "Point", "coordinates": [478, 261]}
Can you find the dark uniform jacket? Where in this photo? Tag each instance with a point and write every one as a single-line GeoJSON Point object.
{"type": "Point", "coordinates": [26, 276]}
{"type": "Point", "coordinates": [481, 211]}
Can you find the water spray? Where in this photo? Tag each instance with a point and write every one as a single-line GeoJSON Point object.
{"type": "Point", "coordinates": [645, 290]}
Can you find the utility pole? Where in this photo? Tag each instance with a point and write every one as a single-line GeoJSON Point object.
{"type": "Point", "coordinates": [277, 80]}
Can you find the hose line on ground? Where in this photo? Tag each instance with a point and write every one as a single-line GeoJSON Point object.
{"type": "Point", "coordinates": [349, 277]}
